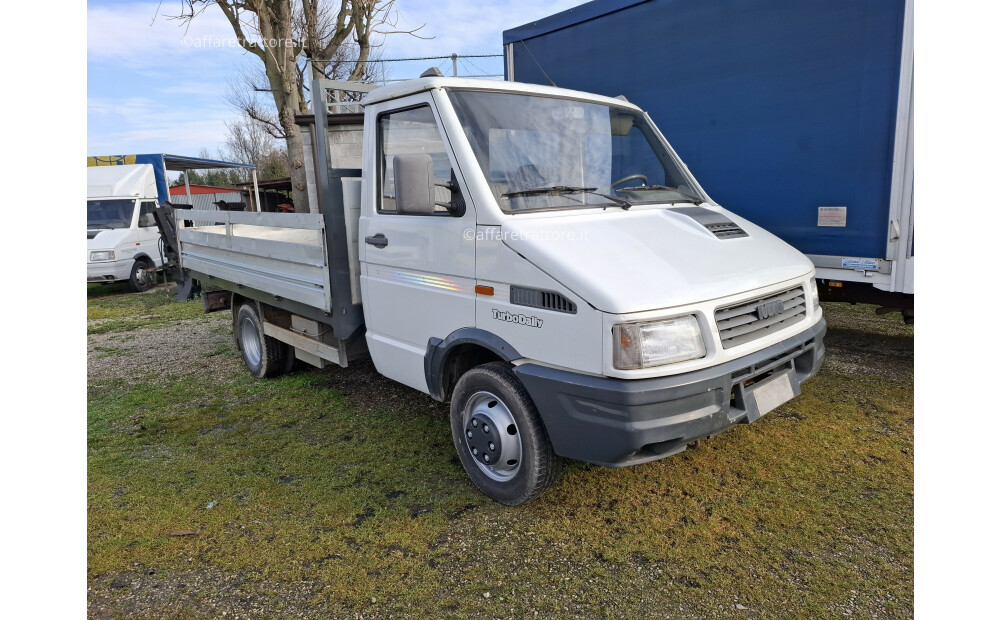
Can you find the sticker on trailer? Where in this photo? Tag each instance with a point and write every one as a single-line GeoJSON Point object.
{"type": "Point", "coordinates": [832, 216]}
{"type": "Point", "coordinates": [866, 264]}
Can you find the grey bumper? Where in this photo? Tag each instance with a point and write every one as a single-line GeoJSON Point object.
{"type": "Point", "coordinates": [619, 422]}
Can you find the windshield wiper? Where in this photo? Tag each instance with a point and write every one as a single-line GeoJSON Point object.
{"type": "Point", "coordinates": [556, 190]}
{"type": "Point", "coordinates": [642, 188]}
{"type": "Point", "coordinates": [99, 226]}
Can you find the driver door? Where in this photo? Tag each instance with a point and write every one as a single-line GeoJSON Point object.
{"type": "Point", "coordinates": [418, 271]}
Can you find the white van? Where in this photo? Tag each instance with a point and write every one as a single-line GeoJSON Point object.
{"type": "Point", "coordinates": [122, 237]}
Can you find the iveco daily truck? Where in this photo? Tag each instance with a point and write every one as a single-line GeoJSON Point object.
{"type": "Point", "coordinates": [122, 237]}
{"type": "Point", "coordinates": [539, 257]}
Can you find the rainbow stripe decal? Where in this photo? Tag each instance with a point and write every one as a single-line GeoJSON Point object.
{"type": "Point", "coordinates": [410, 277]}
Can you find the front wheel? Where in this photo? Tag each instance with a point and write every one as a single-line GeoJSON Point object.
{"type": "Point", "coordinates": [499, 436]}
{"type": "Point", "coordinates": [141, 279]}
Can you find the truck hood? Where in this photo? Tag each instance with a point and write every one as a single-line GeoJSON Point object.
{"type": "Point", "coordinates": [649, 259]}
{"type": "Point", "coordinates": [105, 238]}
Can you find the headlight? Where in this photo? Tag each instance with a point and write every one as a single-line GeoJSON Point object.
{"type": "Point", "coordinates": [102, 255]}
{"type": "Point", "coordinates": [814, 293]}
{"type": "Point", "coordinates": [640, 345]}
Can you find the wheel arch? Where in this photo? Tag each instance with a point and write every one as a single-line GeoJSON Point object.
{"type": "Point", "coordinates": [446, 360]}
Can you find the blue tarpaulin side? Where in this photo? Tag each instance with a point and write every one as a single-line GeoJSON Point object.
{"type": "Point", "coordinates": [778, 107]}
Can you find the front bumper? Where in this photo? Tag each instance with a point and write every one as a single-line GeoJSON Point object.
{"type": "Point", "coordinates": [109, 271]}
{"type": "Point", "coordinates": [619, 422]}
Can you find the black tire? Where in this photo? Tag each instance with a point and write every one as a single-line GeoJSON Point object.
{"type": "Point", "coordinates": [289, 363]}
{"type": "Point", "coordinates": [263, 355]}
{"type": "Point", "coordinates": [493, 391]}
{"type": "Point", "coordinates": [139, 279]}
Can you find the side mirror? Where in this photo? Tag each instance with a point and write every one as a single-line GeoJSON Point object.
{"type": "Point", "coordinates": [414, 175]}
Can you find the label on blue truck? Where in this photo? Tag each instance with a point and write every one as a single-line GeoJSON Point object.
{"type": "Point", "coordinates": [832, 216]}
{"type": "Point", "coordinates": [867, 264]}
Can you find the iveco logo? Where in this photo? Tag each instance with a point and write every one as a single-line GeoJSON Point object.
{"type": "Point", "coordinates": [770, 308]}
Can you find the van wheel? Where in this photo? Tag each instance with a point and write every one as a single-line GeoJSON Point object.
{"type": "Point", "coordinates": [263, 355]}
{"type": "Point", "coordinates": [499, 436]}
{"type": "Point", "coordinates": [141, 280]}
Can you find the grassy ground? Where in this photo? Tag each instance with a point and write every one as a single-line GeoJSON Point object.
{"type": "Point", "coordinates": [337, 493]}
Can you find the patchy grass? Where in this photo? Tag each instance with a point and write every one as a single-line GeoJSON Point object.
{"type": "Point", "coordinates": [336, 488]}
{"type": "Point", "coordinates": [112, 308]}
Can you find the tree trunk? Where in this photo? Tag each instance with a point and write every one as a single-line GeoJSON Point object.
{"type": "Point", "coordinates": [280, 63]}
{"type": "Point", "coordinates": [296, 159]}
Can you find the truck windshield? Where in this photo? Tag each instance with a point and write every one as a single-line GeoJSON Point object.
{"type": "Point", "coordinates": [110, 213]}
{"type": "Point", "coordinates": [526, 143]}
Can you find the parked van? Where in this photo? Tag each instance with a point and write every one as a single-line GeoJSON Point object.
{"type": "Point", "coordinates": [122, 237]}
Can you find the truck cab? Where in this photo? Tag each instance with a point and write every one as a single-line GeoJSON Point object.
{"type": "Point", "coordinates": [540, 258]}
{"type": "Point", "coordinates": [122, 237]}
{"type": "Point", "coordinates": [559, 232]}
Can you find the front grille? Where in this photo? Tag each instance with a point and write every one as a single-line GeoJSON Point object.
{"type": "Point", "coordinates": [747, 321]}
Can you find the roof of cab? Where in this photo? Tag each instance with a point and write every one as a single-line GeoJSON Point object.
{"type": "Point", "coordinates": [131, 181]}
{"type": "Point", "coordinates": [410, 87]}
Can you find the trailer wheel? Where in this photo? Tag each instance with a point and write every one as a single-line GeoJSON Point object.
{"type": "Point", "coordinates": [263, 355]}
{"type": "Point", "coordinates": [499, 436]}
{"type": "Point", "coordinates": [140, 279]}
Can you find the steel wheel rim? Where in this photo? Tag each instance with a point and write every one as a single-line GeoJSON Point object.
{"type": "Point", "coordinates": [141, 275]}
{"type": "Point", "coordinates": [249, 341]}
{"type": "Point", "coordinates": [502, 433]}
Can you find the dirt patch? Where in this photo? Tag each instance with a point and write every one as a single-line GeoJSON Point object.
{"type": "Point", "coordinates": [187, 347]}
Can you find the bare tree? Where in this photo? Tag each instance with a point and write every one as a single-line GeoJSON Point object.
{"type": "Point", "coordinates": [284, 34]}
{"type": "Point", "coordinates": [247, 140]}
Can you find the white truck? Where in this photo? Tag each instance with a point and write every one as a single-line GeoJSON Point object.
{"type": "Point", "coordinates": [539, 257]}
{"type": "Point", "coordinates": [122, 237]}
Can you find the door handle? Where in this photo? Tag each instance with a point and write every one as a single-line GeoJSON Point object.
{"type": "Point", "coordinates": [379, 240]}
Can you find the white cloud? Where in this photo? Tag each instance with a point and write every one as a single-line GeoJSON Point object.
{"type": "Point", "coordinates": [136, 36]}
{"type": "Point", "coordinates": [141, 125]}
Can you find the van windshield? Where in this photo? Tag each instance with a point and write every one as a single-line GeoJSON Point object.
{"type": "Point", "coordinates": [110, 213]}
{"type": "Point", "coordinates": [526, 143]}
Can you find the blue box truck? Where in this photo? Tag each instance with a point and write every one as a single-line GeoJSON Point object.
{"type": "Point", "coordinates": [796, 115]}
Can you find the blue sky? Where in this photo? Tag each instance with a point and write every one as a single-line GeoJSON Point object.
{"type": "Point", "coordinates": [154, 87]}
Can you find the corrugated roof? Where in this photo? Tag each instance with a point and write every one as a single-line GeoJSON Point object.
{"type": "Point", "coordinates": [180, 190]}
{"type": "Point", "coordinates": [183, 162]}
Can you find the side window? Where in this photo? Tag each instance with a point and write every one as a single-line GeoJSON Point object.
{"type": "Point", "coordinates": [412, 131]}
{"type": "Point", "coordinates": [146, 214]}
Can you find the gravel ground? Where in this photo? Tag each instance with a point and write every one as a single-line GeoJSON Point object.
{"type": "Point", "coordinates": [202, 346]}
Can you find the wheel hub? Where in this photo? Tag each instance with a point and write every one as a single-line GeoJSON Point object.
{"type": "Point", "coordinates": [492, 437]}
{"type": "Point", "coordinates": [142, 275]}
{"type": "Point", "coordinates": [249, 341]}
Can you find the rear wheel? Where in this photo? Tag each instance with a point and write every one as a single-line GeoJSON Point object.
{"type": "Point", "coordinates": [141, 279]}
{"type": "Point", "coordinates": [499, 436]}
{"type": "Point", "coordinates": [289, 362]}
{"type": "Point", "coordinates": [263, 355]}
